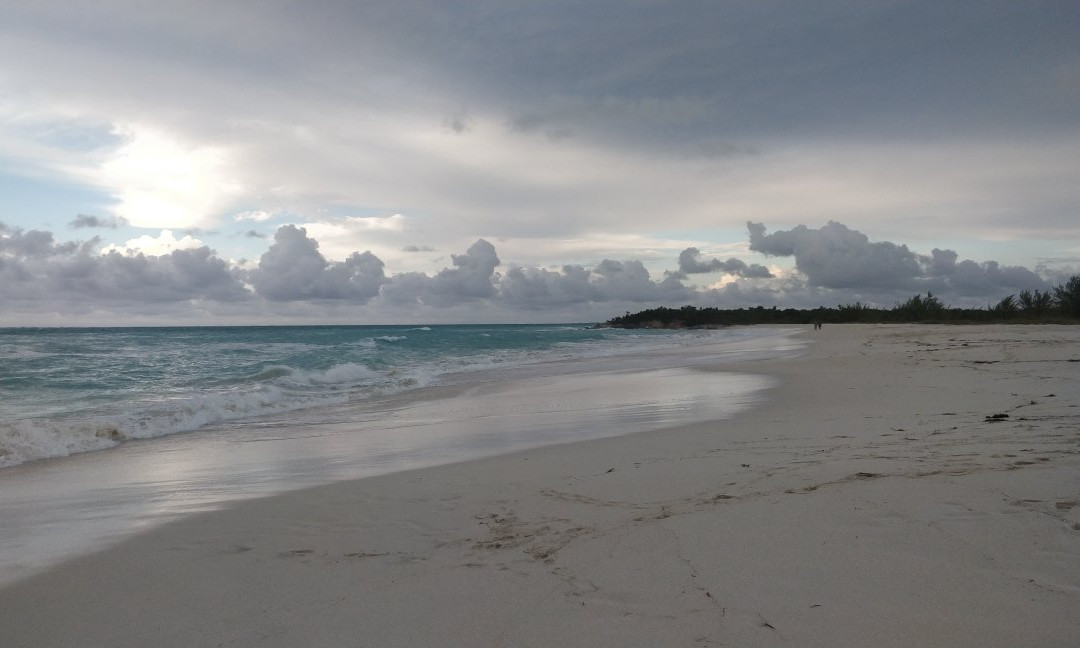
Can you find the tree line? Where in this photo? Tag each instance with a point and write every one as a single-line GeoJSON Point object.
{"type": "Point", "coordinates": [1059, 304]}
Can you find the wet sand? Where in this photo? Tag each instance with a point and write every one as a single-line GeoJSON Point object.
{"type": "Point", "coordinates": [902, 486]}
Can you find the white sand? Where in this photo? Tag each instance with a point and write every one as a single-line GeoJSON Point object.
{"type": "Point", "coordinates": [869, 503]}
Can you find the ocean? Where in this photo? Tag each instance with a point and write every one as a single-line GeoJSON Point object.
{"type": "Point", "coordinates": [105, 431]}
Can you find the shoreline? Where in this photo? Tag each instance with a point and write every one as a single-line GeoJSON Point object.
{"type": "Point", "coordinates": [75, 505]}
{"type": "Point", "coordinates": [363, 367]}
{"type": "Point", "coordinates": [868, 501]}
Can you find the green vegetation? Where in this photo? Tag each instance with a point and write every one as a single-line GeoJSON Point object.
{"type": "Point", "coordinates": [1060, 304]}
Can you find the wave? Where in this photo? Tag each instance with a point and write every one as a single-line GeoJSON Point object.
{"type": "Point", "coordinates": [60, 436]}
{"type": "Point", "coordinates": [11, 351]}
{"type": "Point", "coordinates": [274, 390]}
{"type": "Point", "coordinates": [349, 373]}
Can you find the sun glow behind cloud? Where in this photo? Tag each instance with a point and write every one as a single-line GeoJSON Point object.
{"type": "Point", "coordinates": [160, 181]}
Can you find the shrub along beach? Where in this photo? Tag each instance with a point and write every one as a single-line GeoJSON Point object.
{"type": "Point", "coordinates": [1061, 304]}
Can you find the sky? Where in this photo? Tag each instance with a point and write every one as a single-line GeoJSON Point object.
{"type": "Point", "coordinates": [333, 161]}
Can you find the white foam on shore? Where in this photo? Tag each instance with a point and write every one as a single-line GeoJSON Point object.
{"type": "Point", "coordinates": [284, 389]}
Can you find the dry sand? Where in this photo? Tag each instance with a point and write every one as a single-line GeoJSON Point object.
{"type": "Point", "coordinates": [870, 502]}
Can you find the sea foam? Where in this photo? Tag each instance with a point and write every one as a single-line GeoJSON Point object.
{"type": "Point", "coordinates": [274, 390]}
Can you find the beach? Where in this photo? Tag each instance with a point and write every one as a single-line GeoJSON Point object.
{"type": "Point", "coordinates": [907, 485]}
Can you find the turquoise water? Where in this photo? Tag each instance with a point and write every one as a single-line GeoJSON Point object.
{"type": "Point", "coordinates": [67, 390]}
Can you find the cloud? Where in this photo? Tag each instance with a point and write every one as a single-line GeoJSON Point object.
{"type": "Point", "coordinates": [156, 245]}
{"type": "Point", "coordinates": [833, 264]}
{"type": "Point", "coordinates": [87, 220]}
{"type": "Point", "coordinates": [35, 268]}
{"type": "Point", "coordinates": [457, 123]}
{"type": "Point", "coordinates": [473, 272]}
{"type": "Point", "coordinates": [257, 215]}
{"type": "Point", "coordinates": [178, 275]}
{"type": "Point", "coordinates": [626, 280]}
{"type": "Point", "coordinates": [610, 281]}
{"type": "Point", "coordinates": [574, 122]}
{"type": "Point", "coordinates": [971, 278]}
{"type": "Point", "coordinates": [532, 288]}
{"type": "Point", "coordinates": [836, 257]}
{"type": "Point", "coordinates": [392, 223]}
{"type": "Point", "coordinates": [470, 279]}
{"type": "Point", "coordinates": [689, 263]}
{"type": "Point", "coordinates": [417, 248]}
{"type": "Point", "coordinates": [159, 179]}
{"type": "Point", "coordinates": [294, 269]}
{"type": "Point", "coordinates": [18, 245]}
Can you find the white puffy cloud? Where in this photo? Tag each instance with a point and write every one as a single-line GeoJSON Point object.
{"type": "Point", "coordinates": [392, 223]}
{"type": "Point", "coordinates": [256, 215]}
{"type": "Point", "coordinates": [156, 245]}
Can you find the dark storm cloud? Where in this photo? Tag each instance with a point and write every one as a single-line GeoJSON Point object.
{"type": "Point", "coordinates": [88, 220]}
{"type": "Point", "coordinates": [689, 263]}
{"type": "Point", "coordinates": [670, 75]}
{"type": "Point", "coordinates": [685, 74]}
{"type": "Point", "coordinates": [836, 257]}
